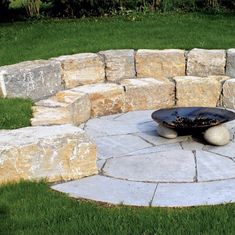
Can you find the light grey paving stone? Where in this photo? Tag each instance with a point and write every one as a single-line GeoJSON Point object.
{"type": "Point", "coordinates": [105, 189]}
{"type": "Point", "coordinates": [114, 146]}
{"type": "Point", "coordinates": [103, 127]}
{"type": "Point", "coordinates": [100, 127]}
{"type": "Point", "coordinates": [136, 116]}
{"type": "Point", "coordinates": [154, 138]}
{"type": "Point", "coordinates": [169, 166]}
{"type": "Point", "coordinates": [159, 148]}
{"type": "Point", "coordinates": [230, 124]}
{"type": "Point", "coordinates": [100, 164]}
{"type": "Point", "coordinates": [112, 117]}
{"type": "Point", "coordinates": [146, 126]}
{"type": "Point", "coordinates": [194, 194]}
{"type": "Point", "coordinates": [211, 166]}
{"type": "Point", "coordinates": [227, 150]}
{"type": "Point", "coordinates": [192, 145]}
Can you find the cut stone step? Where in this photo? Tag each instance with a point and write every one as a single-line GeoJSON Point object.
{"type": "Point", "coordinates": [56, 153]}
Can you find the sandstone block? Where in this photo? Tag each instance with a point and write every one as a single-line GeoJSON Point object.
{"type": "Point", "coordinates": [197, 91]}
{"type": "Point", "coordinates": [105, 98]}
{"type": "Point", "coordinates": [148, 93]}
{"type": "Point", "coordinates": [56, 153]}
{"type": "Point", "coordinates": [63, 108]}
{"type": "Point", "coordinates": [230, 66]}
{"type": "Point", "coordinates": [206, 62]}
{"type": "Point", "coordinates": [229, 94]}
{"type": "Point", "coordinates": [119, 64]}
{"type": "Point", "coordinates": [82, 69]}
{"type": "Point", "coordinates": [160, 63]}
{"type": "Point", "coordinates": [31, 79]}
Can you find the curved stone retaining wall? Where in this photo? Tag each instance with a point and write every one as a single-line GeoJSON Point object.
{"type": "Point", "coordinates": [71, 89]}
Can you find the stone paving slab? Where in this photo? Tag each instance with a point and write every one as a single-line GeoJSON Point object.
{"type": "Point", "coordinates": [119, 145]}
{"type": "Point", "coordinates": [194, 194]}
{"type": "Point", "coordinates": [211, 166]}
{"type": "Point", "coordinates": [155, 149]}
{"type": "Point", "coordinates": [227, 150]}
{"type": "Point", "coordinates": [169, 166]}
{"type": "Point", "coordinates": [135, 161]}
{"type": "Point", "coordinates": [109, 190]}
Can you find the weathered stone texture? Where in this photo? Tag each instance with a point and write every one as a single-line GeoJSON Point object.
{"type": "Point", "coordinates": [148, 93]}
{"type": "Point", "coordinates": [206, 62]}
{"type": "Point", "coordinates": [230, 66]}
{"type": "Point", "coordinates": [57, 153]}
{"type": "Point", "coordinates": [31, 79]}
{"type": "Point", "coordinates": [229, 94]}
{"type": "Point", "coordinates": [63, 108]}
{"type": "Point", "coordinates": [82, 69]}
{"type": "Point", "coordinates": [105, 98]}
{"type": "Point", "coordinates": [197, 91]}
{"type": "Point", "coordinates": [160, 63]}
{"type": "Point", "coordinates": [119, 64]}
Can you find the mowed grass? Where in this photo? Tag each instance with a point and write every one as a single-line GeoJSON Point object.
{"type": "Point", "coordinates": [15, 113]}
{"type": "Point", "coordinates": [44, 39]}
{"type": "Point", "coordinates": [32, 208]}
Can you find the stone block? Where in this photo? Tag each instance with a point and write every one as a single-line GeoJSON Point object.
{"type": "Point", "coordinates": [31, 79]}
{"type": "Point", "coordinates": [230, 65]}
{"type": "Point", "coordinates": [119, 64]}
{"type": "Point", "coordinates": [160, 63]}
{"type": "Point", "coordinates": [206, 62]}
{"type": "Point", "coordinates": [56, 153]}
{"type": "Point", "coordinates": [82, 69]}
{"type": "Point", "coordinates": [148, 93]}
{"type": "Point", "coordinates": [63, 108]}
{"type": "Point", "coordinates": [105, 99]}
{"type": "Point", "coordinates": [229, 94]}
{"type": "Point", "coordinates": [197, 91]}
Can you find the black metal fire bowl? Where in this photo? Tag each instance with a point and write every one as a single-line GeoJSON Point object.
{"type": "Point", "coordinates": [192, 120]}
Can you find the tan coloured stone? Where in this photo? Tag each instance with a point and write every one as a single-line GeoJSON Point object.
{"type": "Point", "coordinates": [197, 91]}
{"type": "Point", "coordinates": [56, 153]}
{"type": "Point", "coordinates": [82, 69]}
{"type": "Point", "coordinates": [148, 93]}
{"type": "Point", "coordinates": [65, 107]}
{"type": "Point", "coordinates": [105, 98]}
{"type": "Point", "coordinates": [229, 94]}
{"type": "Point", "coordinates": [206, 62]}
{"type": "Point", "coordinates": [160, 63]}
{"type": "Point", "coordinates": [219, 78]}
{"type": "Point", "coordinates": [119, 64]}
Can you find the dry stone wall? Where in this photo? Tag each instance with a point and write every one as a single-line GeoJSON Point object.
{"type": "Point", "coordinates": [69, 90]}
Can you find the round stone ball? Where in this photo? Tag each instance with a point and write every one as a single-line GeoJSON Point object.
{"type": "Point", "coordinates": [166, 132]}
{"type": "Point", "coordinates": [217, 135]}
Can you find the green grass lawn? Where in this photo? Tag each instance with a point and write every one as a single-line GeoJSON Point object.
{"type": "Point", "coordinates": [15, 113]}
{"type": "Point", "coordinates": [44, 39]}
{"type": "Point", "coordinates": [32, 208]}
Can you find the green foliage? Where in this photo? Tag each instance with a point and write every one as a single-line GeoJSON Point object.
{"type": "Point", "coordinates": [32, 7]}
{"type": "Point", "coordinates": [32, 208]}
{"type": "Point", "coordinates": [15, 113]}
{"type": "Point", "coordinates": [154, 31]}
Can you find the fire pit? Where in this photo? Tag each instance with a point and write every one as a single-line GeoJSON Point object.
{"type": "Point", "coordinates": [194, 120]}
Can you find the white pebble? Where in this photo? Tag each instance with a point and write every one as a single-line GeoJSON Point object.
{"type": "Point", "coordinates": [217, 135]}
{"type": "Point", "coordinates": [166, 132]}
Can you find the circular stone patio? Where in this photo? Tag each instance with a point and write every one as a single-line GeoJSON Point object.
{"type": "Point", "coordinates": [138, 167]}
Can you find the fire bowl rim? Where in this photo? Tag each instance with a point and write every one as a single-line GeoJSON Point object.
{"type": "Point", "coordinates": [168, 124]}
